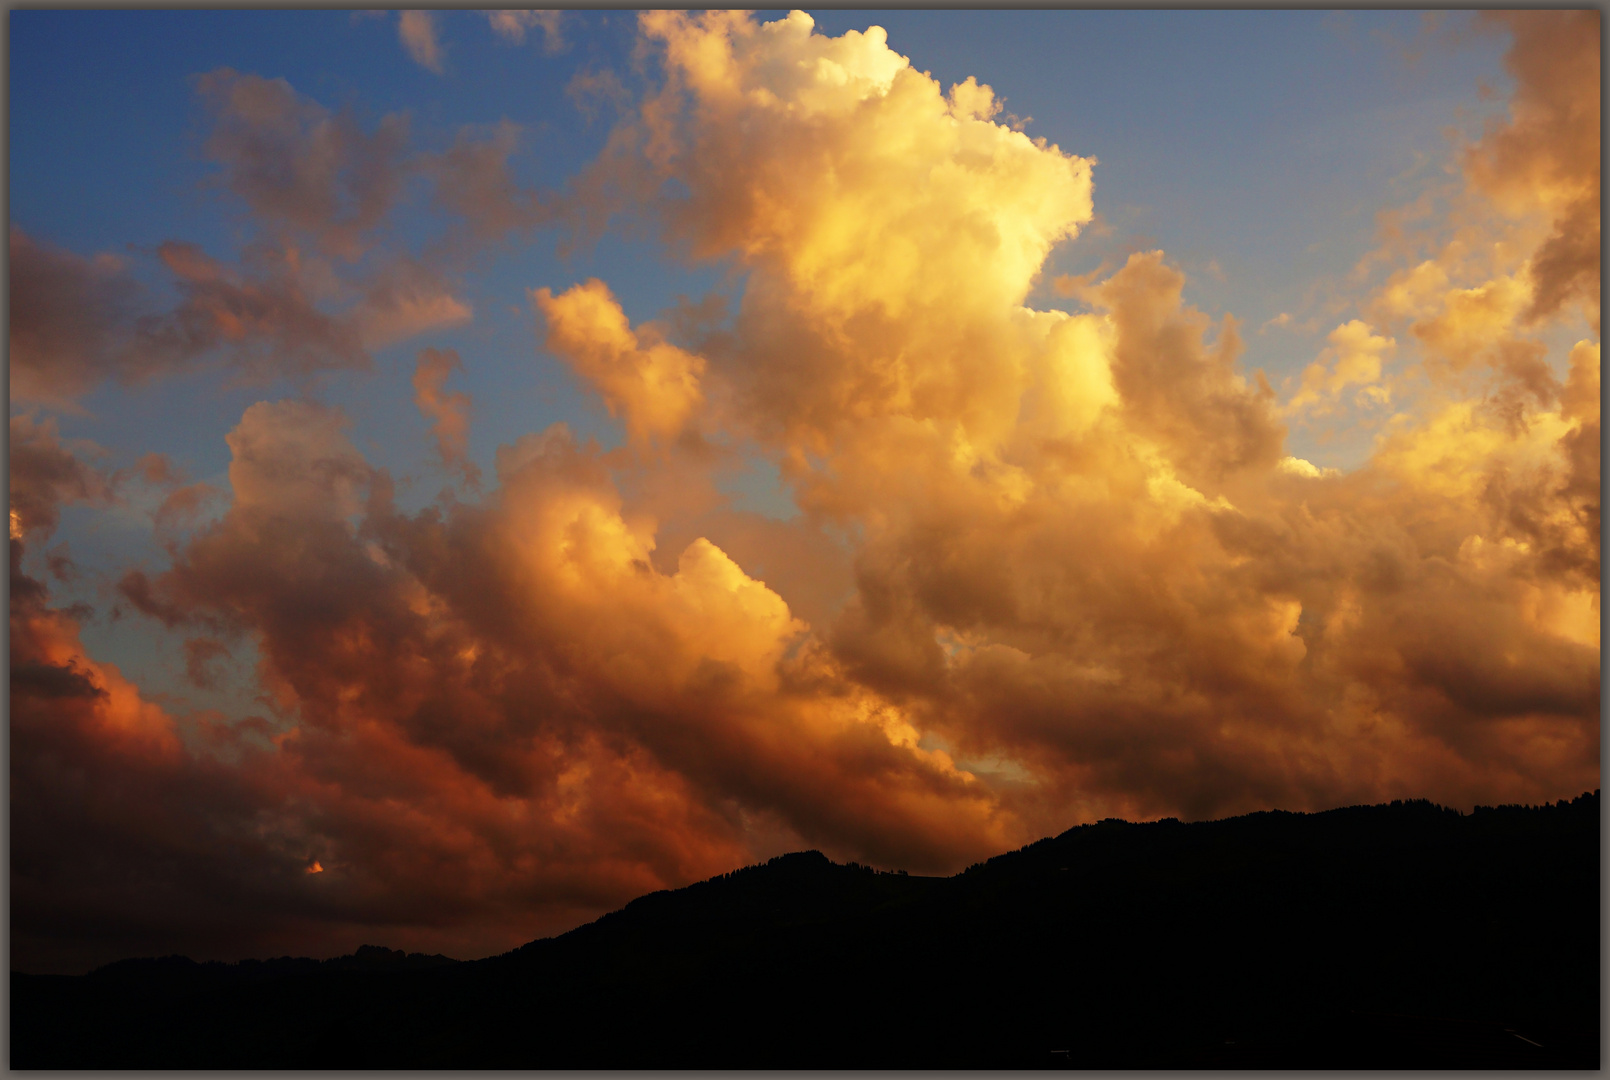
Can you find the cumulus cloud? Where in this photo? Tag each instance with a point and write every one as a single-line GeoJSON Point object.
{"type": "Point", "coordinates": [1054, 561]}
{"type": "Point", "coordinates": [101, 778]}
{"type": "Point", "coordinates": [1047, 566]}
{"type": "Point", "coordinates": [1176, 387]}
{"type": "Point", "coordinates": [563, 746]}
{"type": "Point", "coordinates": [653, 385]}
{"type": "Point", "coordinates": [184, 505]}
{"type": "Point", "coordinates": [310, 177]}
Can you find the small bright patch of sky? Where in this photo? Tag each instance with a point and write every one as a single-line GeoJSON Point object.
{"type": "Point", "coordinates": [997, 769]}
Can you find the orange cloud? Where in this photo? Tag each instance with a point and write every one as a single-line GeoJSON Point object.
{"type": "Point", "coordinates": [1546, 157]}
{"type": "Point", "coordinates": [1356, 357]}
{"type": "Point", "coordinates": [449, 412]}
{"type": "Point", "coordinates": [653, 385]}
{"type": "Point", "coordinates": [1047, 566]}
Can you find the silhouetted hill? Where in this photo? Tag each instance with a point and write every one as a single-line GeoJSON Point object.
{"type": "Point", "coordinates": [183, 971]}
{"type": "Point", "coordinates": [1387, 936]}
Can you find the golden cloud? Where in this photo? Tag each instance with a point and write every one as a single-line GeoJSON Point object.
{"type": "Point", "coordinates": [1082, 574]}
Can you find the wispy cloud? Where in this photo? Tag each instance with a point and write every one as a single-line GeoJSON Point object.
{"type": "Point", "coordinates": [417, 31]}
{"type": "Point", "coordinates": [512, 25]}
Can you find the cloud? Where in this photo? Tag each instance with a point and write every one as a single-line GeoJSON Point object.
{"type": "Point", "coordinates": [297, 166]}
{"type": "Point", "coordinates": [135, 587]}
{"type": "Point", "coordinates": [653, 385]}
{"type": "Point", "coordinates": [71, 320]}
{"type": "Point", "coordinates": [183, 505]}
{"type": "Point", "coordinates": [1047, 566]}
{"type": "Point", "coordinates": [417, 31]}
{"type": "Point", "coordinates": [270, 325]}
{"type": "Point", "coordinates": [1481, 291]}
{"type": "Point", "coordinates": [473, 182]}
{"type": "Point", "coordinates": [404, 299]}
{"type": "Point", "coordinates": [318, 180]}
{"type": "Point", "coordinates": [293, 458]}
{"type": "Point", "coordinates": [103, 780]}
{"type": "Point", "coordinates": [1355, 358]}
{"type": "Point", "coordinates": [199, 653]}
{"type": "Point", "coordinates": [986, 497]}
{"type": "Point", "coordinates": [78, 322]}
{"type": "Point", "coordinates": [46, 474]}
{"type": "Point", "coordinates": [315, 290]}
{"type": "Point", "coordinates": [1546, 157]}
{"type": "Point", "coordinates": [312, 177]}
{"type": "Point", "coordinates": [1176, 388]}
{"type": "Point", "coordinates": [449, 413]}
{"type": "Point", "coordinates": [1506, 264]}
{"type": "Point", "coordinates": [512, 25]}
{"type": "Point", "coordinates": [1301, 467]}
{"type": "Point", "coordinates": [598, 770]}
{"type": "Point", "coordinates": [590, 88]}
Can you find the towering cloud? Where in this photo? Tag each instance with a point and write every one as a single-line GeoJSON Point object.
{"type": "Point", "coordinates": [1080, 573]}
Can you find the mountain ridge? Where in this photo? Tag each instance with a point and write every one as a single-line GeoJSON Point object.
{"type": "Point", "coordinates": [1112, 943]}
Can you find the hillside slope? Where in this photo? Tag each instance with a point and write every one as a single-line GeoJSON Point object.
{"type": "Point", "coordinates": [1387, 936]}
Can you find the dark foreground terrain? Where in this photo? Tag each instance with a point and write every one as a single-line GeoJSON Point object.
{"type": "Point", "coordinates": [1387, 936]}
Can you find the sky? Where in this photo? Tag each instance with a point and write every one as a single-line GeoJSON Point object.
{"type": "Point", "coordinates": [470, 469]}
